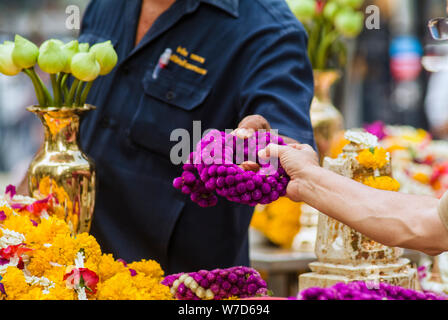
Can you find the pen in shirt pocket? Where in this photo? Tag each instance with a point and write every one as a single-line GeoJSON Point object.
{"type": "Point", "coordinates": [162, 63]}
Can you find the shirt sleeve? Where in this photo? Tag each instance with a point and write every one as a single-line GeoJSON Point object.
{"type": "Point", "coordinates": [443, 209]}
{"type": "Point", "coordinates": [278, 83]}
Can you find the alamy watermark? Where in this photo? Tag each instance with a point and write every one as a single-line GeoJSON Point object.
{"type": "Point", "coordinates": [212, 147]}
{"type": "Point", "coordinates": [373, 17]}
{"type": "Point", "coordinates": [73, 21]}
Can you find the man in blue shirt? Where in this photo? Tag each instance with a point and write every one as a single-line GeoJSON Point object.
{"type": "Point", "coordinates": [233, 64]}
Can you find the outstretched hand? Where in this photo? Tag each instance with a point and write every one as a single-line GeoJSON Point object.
{"type": "Point", "coordinates": [295, 159]}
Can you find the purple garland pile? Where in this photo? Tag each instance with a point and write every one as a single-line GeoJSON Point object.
{"type": "Point", "coordinates": [208, 172]}
{"type": "Point", "coordinates": [363, 291]}
{"type": "Point", "coordinates": [218, 284]}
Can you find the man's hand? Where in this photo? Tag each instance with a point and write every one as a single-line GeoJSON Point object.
{"type": "Point", "coordinates": [247, 127]}
{"type": "Point", "coordinates": [294, 158]}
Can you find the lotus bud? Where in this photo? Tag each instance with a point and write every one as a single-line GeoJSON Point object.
{"type": "Point", "coordinates": [105, 55]}
{"type": "Point", "coordinates": [46, 42]}
{"type": "Point", "coordinates": [349, 23]}
{"type": "Point", "coordinates": [355, 4]}
{"type": "Point", "coordinates": [85, 67]}
{"type": "Point", "coordinates": [330, 10]}
{"type": "Point", "coordinates": [70, 49]}
{"type": "Point", "coordinates": [84, 47]}
{"type": "Point", "coordinates": [51, 57]}
{"type": "Point", "coordinates": [25, 52]}
{"type": "Point", "coordinates": [304, 10]}
{"type": "Point", "coordinates": [7, 65]}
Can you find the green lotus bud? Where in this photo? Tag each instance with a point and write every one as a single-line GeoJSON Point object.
{"type": "Point", "coordinates": [84, 47]}
{"type": "Point", "coordinates": [105, 55]}
{"type": "Point", "coordinates": [349, 23]}
{"type": "Point", "coordinates": [70, 49]}
{"type": "Point", "coordinates": [51, 57]}
{"type": "Point", "coordinates": [330, 10]}
{"type": "Point", "coordinates": [7, 65]}
{"type": "Point", "coordinates": [85, 67]}
{"type": "Point", "coordinates": [304, 10]}
{"type": "Point", "coordinates": [25, 53]}
{"type": "Point", "coordinates": [355, 4]}
{"type": "Point", "coordinates": [46, 42]}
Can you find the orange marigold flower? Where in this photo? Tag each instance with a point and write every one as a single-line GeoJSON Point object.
{"type": "Point", "coordinates": [373, 158]}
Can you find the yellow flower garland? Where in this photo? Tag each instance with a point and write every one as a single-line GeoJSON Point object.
{"type": "Point", "coordinates": [383, 183]}
{"type": "Point", "coordinates": [52, 256]}
{"type": "Point", "coordinates": [278, 221]}
{"type": "Point", "coordinates": [373, 158]}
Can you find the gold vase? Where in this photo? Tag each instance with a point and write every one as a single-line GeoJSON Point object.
{"type": "Point", "coordinates": [326, 119]}
{"type": "Point", "coordinates": [61, 169]}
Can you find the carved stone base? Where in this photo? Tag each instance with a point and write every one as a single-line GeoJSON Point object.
{"type": "Point", "coordinates": [327, 274]}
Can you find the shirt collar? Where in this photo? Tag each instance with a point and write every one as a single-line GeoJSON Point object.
{"type": "Point", "coordinates": [229, 6]}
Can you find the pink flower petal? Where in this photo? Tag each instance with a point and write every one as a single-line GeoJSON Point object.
{"type": "Point", "coordinates": [10, 191]}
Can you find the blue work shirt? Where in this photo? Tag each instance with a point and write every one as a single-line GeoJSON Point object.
{"type": "Point", "coordinates": [230, 59]}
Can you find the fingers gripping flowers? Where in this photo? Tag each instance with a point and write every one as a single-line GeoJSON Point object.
{"type": "Point", "coordinates": [60, 61]}
{"type": "Point", "coordinates": [211, 168]}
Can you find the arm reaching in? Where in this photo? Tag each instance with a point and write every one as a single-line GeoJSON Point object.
{"type": "Point", "coordinates": [392, 218]}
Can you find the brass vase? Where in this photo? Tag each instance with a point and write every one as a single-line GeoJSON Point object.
{"type": "Point", "coordinates": [326, 119]}
{"type": "Point", "coordinates": [61, 169]}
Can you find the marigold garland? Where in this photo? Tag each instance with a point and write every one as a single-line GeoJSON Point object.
{"type": "Point", "coordinates": [278, 221]}
{"type": "Point", "coordinates": [373, 158]}
{"type": "Point", "coordinates": [383, 183]}
{"type": "Point", "coordinates": [40, 260]}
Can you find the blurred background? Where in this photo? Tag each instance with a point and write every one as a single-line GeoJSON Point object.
{"type": "Point", "coordinates": [378, 84]}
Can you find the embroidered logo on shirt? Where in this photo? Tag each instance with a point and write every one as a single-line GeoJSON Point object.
{"type": "Point", "coordinates": [181, 58]}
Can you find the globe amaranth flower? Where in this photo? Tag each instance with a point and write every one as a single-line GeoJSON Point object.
{"type": "Point", "coordinates": [85, 67]}
{"type": "Point", "coordinates": [51, 57]}
{"type": "Point", "coordinates": [217, 284]}
{"type": "Point", "coordinates": [25, 52]}
{"type": "Point", "coordinates": [7, 65]}
{"type": "Point", "coordinates": [105, 55]}
{"type": "Point", "coordinates": [200, 179]}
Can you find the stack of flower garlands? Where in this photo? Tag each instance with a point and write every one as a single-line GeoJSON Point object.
{"type": "Point", "coordinates": [60, 61]}
{"type": "Point", "coordinates": [40, 260]}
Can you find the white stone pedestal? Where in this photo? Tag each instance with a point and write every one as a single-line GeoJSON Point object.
{"type": "Point", "coordinates": [345, 255]}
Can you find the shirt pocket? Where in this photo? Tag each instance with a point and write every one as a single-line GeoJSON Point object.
{"type": "Point", "coordinates": [169, 102]}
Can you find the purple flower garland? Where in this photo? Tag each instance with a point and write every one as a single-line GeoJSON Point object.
{"type": "Point", "coordinates": [211, 168]}
{"type": "Point", "coordinates": [359, 290]}
{"type": "Point", "coordinates": [218, 284]}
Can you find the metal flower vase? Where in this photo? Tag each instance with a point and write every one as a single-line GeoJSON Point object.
{"type": "Point", "coordinates": [62, 170]}
{"type": "Point", "coordinates": [326, 119]}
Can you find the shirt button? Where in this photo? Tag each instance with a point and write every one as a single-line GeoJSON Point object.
{"type": "Point", "coordinates": [170, 95]}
